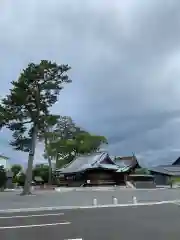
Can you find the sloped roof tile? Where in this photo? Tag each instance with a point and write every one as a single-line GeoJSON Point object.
{"type": "Point", "coordinates": [127, 161]}
{"type": "Point", "coordinates": [170, 170]}
{"type": "Point", "coordinates": [84, 162]}
{"type": "Point", "coordinates": [96, 160]}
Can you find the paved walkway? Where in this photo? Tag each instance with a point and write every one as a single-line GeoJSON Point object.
{"type": "Point", "coordinates": [12, 200]}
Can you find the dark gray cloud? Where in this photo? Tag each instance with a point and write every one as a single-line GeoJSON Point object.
{"type": "Point", "coordinates": [125, 65]}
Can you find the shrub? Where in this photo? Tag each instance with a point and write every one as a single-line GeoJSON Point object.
{"type": "Point", "coordinates": [20, 180]}
{"type": "Point", "coordinates": [3, 177]}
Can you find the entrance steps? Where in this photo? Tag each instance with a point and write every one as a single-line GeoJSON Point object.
{"type": "Point", "coordinates": [129, 184]}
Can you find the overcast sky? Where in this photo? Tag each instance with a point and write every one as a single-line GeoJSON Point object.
{"type": "Point", "coordinates": [125, 59]}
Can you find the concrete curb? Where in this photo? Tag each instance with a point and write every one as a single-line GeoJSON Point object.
{"type": "Point", "coordinates": [86, 207]}
{"type": "Point", "coordinates": [59, 189]}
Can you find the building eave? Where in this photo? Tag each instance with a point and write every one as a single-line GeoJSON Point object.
{"type": "Point", "coordinates": [2, 157]}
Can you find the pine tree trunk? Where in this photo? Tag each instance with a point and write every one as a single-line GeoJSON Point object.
{"type": "Point", "coordinates": [49, 163]}
{"type": "Point", "coordinates": [28, 181]}
{"type": "Point", "coordinates": [50, 171]}
{"type": "Point", "coordinates": [57, 157]}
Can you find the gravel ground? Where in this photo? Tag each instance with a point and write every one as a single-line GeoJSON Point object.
{"type": "Point", "coordinates": [12, 200]}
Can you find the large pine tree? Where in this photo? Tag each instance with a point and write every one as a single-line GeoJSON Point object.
{"type": "Point", "coordinates": [26, 108]}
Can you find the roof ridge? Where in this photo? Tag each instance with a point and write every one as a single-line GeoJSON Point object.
{"type": "Point", "coordinates": [4, 157]}
{"type": "Point", "coordinates": [94, 159]}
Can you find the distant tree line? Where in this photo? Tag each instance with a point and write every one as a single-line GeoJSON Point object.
{"type": "Point", "coordinates": [40, 170]}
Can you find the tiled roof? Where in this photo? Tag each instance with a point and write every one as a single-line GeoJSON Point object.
{"type": "Point", "coordinates": [96, 160]}
{"type": "Point", "coordinates": [123, 169]}
{"type": "Point", "coordinates": [109, 166]}
{"type": "Point", "coordinates": [170, 170]}
{"type": "Point", "coordinates": [127, 161]}
{"type": "Point", "coordinates": [84, 162]}
{"type": "Point", "coordinates": [3, 157]}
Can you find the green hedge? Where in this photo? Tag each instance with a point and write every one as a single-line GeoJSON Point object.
{"type": "Point", "coordinates": [175, 179]}
{"type": "Point", "coordinates": [3, 177]}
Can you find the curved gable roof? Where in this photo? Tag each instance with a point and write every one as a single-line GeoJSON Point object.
{"type": "Point", "coordinates": [84, 162]}
{"type": "Point", "coordinates": [100, 160]}
{"type": "Point", "coordinates": [128, 161]}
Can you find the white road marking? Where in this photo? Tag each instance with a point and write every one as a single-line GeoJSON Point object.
{"type": "Point", "coordinates": [37, 225]}
{"type": "Point", "coordinates": [31, 216]}
{"type": "Point", "coordinates": [74, 239]}
{"type": "Point", "coordinates": [86, 207]}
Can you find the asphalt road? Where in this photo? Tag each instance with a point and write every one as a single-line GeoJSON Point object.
{"type": "Point", "coordinates": [144, 222]}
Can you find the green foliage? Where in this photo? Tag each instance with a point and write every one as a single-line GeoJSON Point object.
{"type": "Point", "coordinates": [41, 171]}
{"type": "Point", "coordinates": [70, 140]}
{"type": "Point", "coordinates": [144, 171]}
{"type": "Point", "coordinates": [57, 143]}
{"type": "Point", "coordinates": [87, 143]}
{"type": "Point", "coordinates": [26, 109]}
{"type": "Point", "coordinates": [63, 161]}
{"type": "Point", "coordinates": [174, 180]}
{"type": "Point", "coordinates": [82, 143]}
{"type": "Point", "coordinates": [16, 168]}
{"type": "Point", "coordinates": [3, 177]}
{"type": "Point", "coordinates": [20, 179]}
{"type": "Point", "coordinates": [47, 134]}
{"type": "Point", "coordinates": [29, 100]}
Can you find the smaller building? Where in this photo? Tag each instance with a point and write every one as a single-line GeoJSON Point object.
{"type": "Point", "coordinates": [4, 161]}
{"type": "Point", "coordinates": [127, 163]}
{"type": "Point", "coordinates": [142, 180]}
{"type": "Point", "coordinates": [165, 174]}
